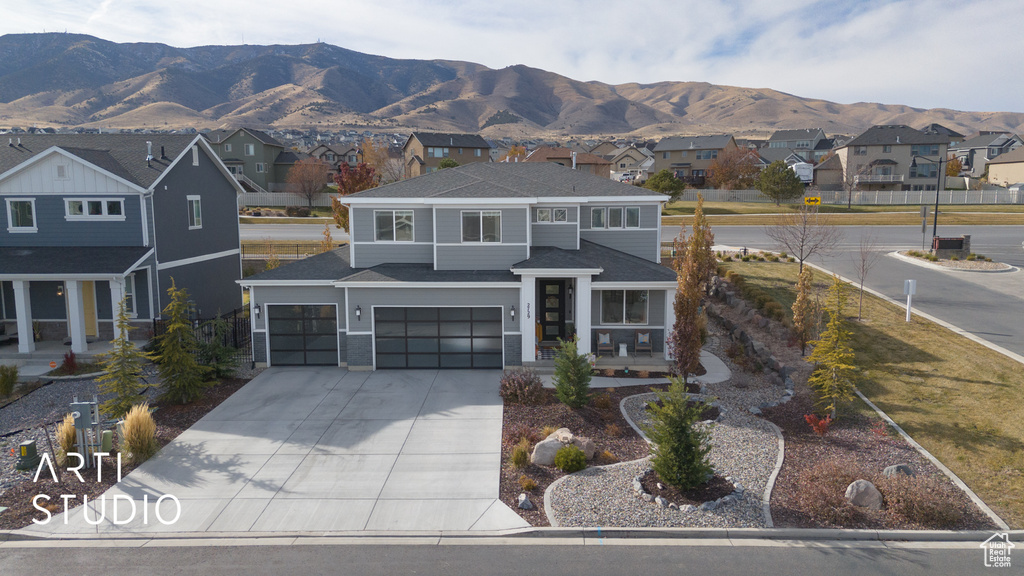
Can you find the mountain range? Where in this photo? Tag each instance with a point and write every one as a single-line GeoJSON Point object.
{"type": "Point", "coordinates": [59, 79]}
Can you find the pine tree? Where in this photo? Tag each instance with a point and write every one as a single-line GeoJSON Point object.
{"type": "Point", "coordinates": [832, 378]}
{"type": "Point", "coordinates": [803, 308]}
{"type": "Point", "coordinates": [183, 377]}
{"type": "Point", "coordinates": [572, 374]}
{"type": "Point", "coordinates": [122, 367]}
{"type": "Point", "coordinates": [214, 353]}
{"type": "Point", "coordinates": [680, 447]}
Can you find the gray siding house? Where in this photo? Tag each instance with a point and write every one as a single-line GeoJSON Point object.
{"type": "Point", "coordinates": [480, 266]}
{"type": "Point", "coordinates": [89, 219]}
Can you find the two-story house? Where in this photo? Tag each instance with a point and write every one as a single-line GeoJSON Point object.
{"type": "Point", "coordinates": [974, 154]}
{"type": "Point", "coordinates": [690, 157]}
{"type": "Point", "coordinates": [477, 266]}
{"type": "Point", "coordinates": [256, 159]}
{"type": "Point", "coordinates": [335, 156]}
{"type": "Point", "coordinates": [631, 160]}
{"type": "Point", "coordinates": [585, 161]}
{"type": "Point", "coordinates": [423, 151]}
{"type": "Point", "coordinates": [895, 157]}
{"type": "Point", "coordinates": [91, 219]}
{"type": "Point", "coordinates": [805, 142]}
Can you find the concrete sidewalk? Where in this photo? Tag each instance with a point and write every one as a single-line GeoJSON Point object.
{"type": "Point", "coordinates": [324, 449]}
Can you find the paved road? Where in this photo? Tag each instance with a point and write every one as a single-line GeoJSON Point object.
{"type": "Point", "coordinates": [675, 558]}
{"type": "Point", "coordinates": [991, 306]}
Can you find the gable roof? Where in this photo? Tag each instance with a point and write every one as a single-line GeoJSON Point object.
{"type": "Point", "coordinates": [123, 155]}
{"type": "Point", "coordinates": [713, 142]}
{"type": "Point", "coordinates": [986, 140]}
{"type": "Point", "coordinates": [550, 154]}
{"type": "Point", "coordinates": [896, 134]}
{"type": "Point", "coordinates": [450, 140]}
{"type": "Point", "coordinates": [1015, 155]}
{"type": "Point", "coordinates": [489, 180]}
{"type": "Point", "coordinates": [800, 134]}
{"type": "Point", "coordinates": [615, 266]}
{"type": "Point", "coordinates": [218, 136]}
{"type": "Point", "coordinates": [940, 129]}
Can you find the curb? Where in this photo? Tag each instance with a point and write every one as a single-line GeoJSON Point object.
{"type": "Point", "coordinates": [931, 266]}
{"type": "Point", "coordinates": [949, 473]}
{"type": "Point", "coordinates": [516, 536]}
{"type": "Point", "coordinates": [766, 499]}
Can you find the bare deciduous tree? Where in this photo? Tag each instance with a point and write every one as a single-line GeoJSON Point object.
{"type": "Point", "coordinates": [309, 178]}
{"type": "Point", "coordinates": [866, 257]}
{"type": "Point", "coordinates": [804, 233]}
{"type": "Point", "coordinates": [388, 169]}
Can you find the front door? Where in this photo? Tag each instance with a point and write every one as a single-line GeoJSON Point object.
{"type": "Point", "coordinates": [89, 308]}
{"type": "Point", "coordinates": [552, 309]}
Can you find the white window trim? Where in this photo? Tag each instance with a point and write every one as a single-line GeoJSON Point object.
{"type": "Point", "coordinates": [22, 229]}
{"type": "Point", "coordinates": [394, 227]}
{"type": "Point", "coordinates": [622, 217]}
{"type": "Point", "coordinates": [604, 219]}
{"type": "Point", "coordinates": [554, 215]}
{"type": "Point", "coordinates": [190, 212]}
{"type": "Point", "coordinates": [57, 170]}
{"type": "Point", "coordinates": [647, 308]}
{"type": "Point", "coordinates": [195, 155]}
{"type": "Point", "coordinates": [227, 147]}
{"type": "Point", "coordinates": [129, 290]}
{"type": "Point", "coordinates": [249, 149]}
{"type": "Point", "coordinates": [546, 212]}
{"type": "Point", "coordinates": [85, 217]}
{"type": "Point", "coordinates": [482, 213]}
{"type": "Point", "coordinates": [625, 217]}
{"type": "Point", "coordinates": [261, 168]}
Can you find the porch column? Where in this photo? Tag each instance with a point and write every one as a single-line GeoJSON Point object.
{"type": "Point", "coordinates": [670, 319]}
{"type": "Point", "coordinates": [528, 317]}
{"type": "Point", "coordinates": [23, 309]}
{"type": "Point", "coordinates": [583, 313]}
{"type": "Point", "coordinates": [116, 295]}
{"type": "Point", "coordinates": [76, 316]}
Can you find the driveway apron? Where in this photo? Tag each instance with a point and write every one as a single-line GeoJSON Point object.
{"type": "Point", "coordinates": [322, 449]}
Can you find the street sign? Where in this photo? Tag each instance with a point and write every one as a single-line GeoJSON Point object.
{"type": "Point", "coordinates": [812, 200]}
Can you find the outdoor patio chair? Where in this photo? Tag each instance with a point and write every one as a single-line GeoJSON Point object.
{"type": "Point", "coordinates": [642, 343]}
{"type": "Point", "coordinates": [604, 342]}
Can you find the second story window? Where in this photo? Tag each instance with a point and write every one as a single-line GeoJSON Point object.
{"type": "Point", "coordinates": [250, 149]}
{"type": "Point", "coordinates": [261, 167]}
{"type": "Point", "coordinates": [860, 150]}
{"type": "Point", "coordinates": [615, 217]}
{"type": "Point", "coordinates": [227, 147]}
{"type": "Point", "coordinates": [477, 152]}
{"type": "Point", "coordinates": [21, 215]}
{"type": "Point", "coordinates": [560, 215]}
{"type": "Point", "coordinates": [925, 150]}
{"type": "Point", "coordinates": [435, 152]}
{"type": "Point", "coordinates": [94, 209]}
{"type": "Point", "coordinates": [707, 154]}
{"type": "Point", "coordinates": [633, 217]}
{"type": "Point", "coordinates": [543, 214]}
{"type": "Point", "coordinates": [664, 155]}
{"type": "Point", "coordinates": [393, 225]}
{"type": "Point", "coordinates": [887, 149]}
{"type": "Point", "coordinates": [195, 212]}
{"type": "Point", "coordinates": [597, 218]}
{"type": "Point", "coordinates": [481, 226]}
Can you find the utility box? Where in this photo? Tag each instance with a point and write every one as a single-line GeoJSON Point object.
{"type": "Point", "coordinates": [28, 455]}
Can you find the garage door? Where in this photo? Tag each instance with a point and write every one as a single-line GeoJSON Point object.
{"type": "Point", "coordinates": [438, 337]}
{"type": "Point", "coordinates": [303, 335]}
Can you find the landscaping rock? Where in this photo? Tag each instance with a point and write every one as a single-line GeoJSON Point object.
{"type": "Point", "coordinates": [563, 435]}
{"type": "Point", "coordinates": [687, 508]}
{"type": "Point", "coordinates": [524, 502]}
{"type": "Point", "coordinates": [762, 322]}
{"type": "Point", "coordinates": [864, 494]}
{"type": "Point", "coordinates": [707, 506]}
{"type": "Point", "coordinates": [544, 452]}
{"type": "Point", "coordinates": [755, 410]}
{"type": "Point", "coordinates": [585, 444]}
{"type": "Point", "coordinates": [895, 469]}
{"type": "Point", "coordinates": [661, 502]}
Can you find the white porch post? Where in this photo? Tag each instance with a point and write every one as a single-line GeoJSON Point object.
{"type": "Point", "coordinates": [583, 313]}
{"type": "Point", "coordinates": [76, 316]}
{"type": "Point", "coordinates": [116, 295]}
{"type": "Point", "coordinates": [23, 308]}
{"type": "Point", "coordinates": [670, 319]}
{"type": "Point", "coordinates": [528, 317]}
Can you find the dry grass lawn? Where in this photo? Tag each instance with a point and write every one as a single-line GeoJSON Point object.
{"type": "Point", "coordinates": [757, 214]}
{"type": "Point", "coordinates": [958, 399]}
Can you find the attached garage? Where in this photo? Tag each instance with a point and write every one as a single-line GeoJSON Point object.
{"type": "Point", "coordinates": [426, 337]}
{"type": "Point", "coordinates": [303, 335]}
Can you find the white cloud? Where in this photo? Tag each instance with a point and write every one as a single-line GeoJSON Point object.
{"type": "Point", "coordinates": [917, 52]}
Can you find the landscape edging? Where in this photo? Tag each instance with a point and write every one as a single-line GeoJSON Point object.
{"type": "Point", "coordinates": [932, 266]}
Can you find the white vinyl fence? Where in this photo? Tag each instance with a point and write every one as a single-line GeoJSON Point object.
{"type": "Point", "coordinates": [871, 197]}
{"type": "Point", "coordinates": [282, 199]}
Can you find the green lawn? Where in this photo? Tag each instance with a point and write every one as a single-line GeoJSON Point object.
{"type": "Point", "coordinates": [958, 399]}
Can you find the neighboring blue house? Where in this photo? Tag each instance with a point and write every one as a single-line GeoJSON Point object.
{"type": "Point", "coordinates": [89, 219]}
{"type": "Point", "coordinates": [477, 266]}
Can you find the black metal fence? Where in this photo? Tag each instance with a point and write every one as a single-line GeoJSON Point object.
{"type": "Point", "coordinates": [238, 334]}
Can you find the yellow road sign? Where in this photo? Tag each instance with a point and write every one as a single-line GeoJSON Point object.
{"type": "Point", "coordinates": [812, 200]}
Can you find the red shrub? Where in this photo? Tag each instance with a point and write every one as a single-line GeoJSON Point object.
{"type": "Point", "coordinates": [819, 425]}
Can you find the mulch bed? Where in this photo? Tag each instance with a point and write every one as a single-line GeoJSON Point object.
{"type": "Point", "coordinates": [617, 373]}
{"type": "Point", "coordinates": [171, 420]}
{"type": "Point", "coordinates": [714, 489]}
{"type": "Point", "coordinates": [852, 442]}
{"type": "Point", "coordinates": [590, 421]}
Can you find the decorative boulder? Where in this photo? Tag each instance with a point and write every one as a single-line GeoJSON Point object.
{"type": "Point", "coordinates": [864, 494]}
{"type": "Point", "coordinates": [895, 469]}
{"type": "Point", "coordinates": [585, 444]}
{"type": "Point", "coordinates": [563, 435]}
{"type": "Point", "coordinates": [544, 452]}
{"type": "Point", "coordinates": [524, 502]}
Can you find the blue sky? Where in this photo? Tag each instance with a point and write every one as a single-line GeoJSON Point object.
{"type": "Point", "coordinates": [924, 53]}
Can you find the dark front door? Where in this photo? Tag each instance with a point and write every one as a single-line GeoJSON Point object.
{"type": "Point", "coordinates": [552, 309]}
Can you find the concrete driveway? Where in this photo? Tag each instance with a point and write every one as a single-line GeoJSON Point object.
{"type": "Point", "coordinates": [324, 449]}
